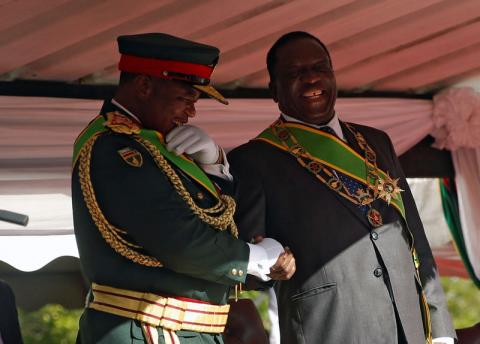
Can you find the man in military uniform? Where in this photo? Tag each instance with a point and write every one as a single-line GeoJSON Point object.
{"type": "Point", "coordinates": [155, 233]}
{"type": "Point", "coordinates": [365, 271]}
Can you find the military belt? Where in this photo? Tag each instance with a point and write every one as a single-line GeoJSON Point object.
{"type": "Point", "coordinates": [170, 313]}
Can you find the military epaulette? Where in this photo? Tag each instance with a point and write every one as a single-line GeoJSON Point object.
{"type": "Point", "coordinates": [122, 124]}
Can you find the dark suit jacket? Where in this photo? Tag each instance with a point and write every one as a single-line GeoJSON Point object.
{"type": "Point", "coordinates": [198, 259]}
{"type": "Point", "coordinates": [335, 295]}
{"type": "Point", "coordinates": [9, 328]}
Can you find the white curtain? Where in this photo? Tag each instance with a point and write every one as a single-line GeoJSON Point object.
{"type": "Point", "coordinates": [407, 121]}
{"type": "Point", "coordinates": [37, 134]}
{"type": "Point", "coordinates": [39, 128]}
{"type": "Point", "coordinates": [456, 118]}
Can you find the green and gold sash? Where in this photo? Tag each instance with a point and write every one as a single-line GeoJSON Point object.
{"type": "Point", "coordinates": [99, 126]}
{"type": "Point", "coordinates": [330, 151]}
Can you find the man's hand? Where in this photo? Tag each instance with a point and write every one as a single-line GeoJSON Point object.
{"type": "Point", "coordinates": [194, 142]}
{"type": "Point", "coordinates": [284, 267]}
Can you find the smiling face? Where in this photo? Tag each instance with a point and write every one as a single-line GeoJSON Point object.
{"type": "Point", "coordinates": [168, 104]}
{"type": "Point", "coordinates": [304, 83]}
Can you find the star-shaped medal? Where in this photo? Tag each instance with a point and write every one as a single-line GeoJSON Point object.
{"type": "Point", "coordinates": [388, 188]}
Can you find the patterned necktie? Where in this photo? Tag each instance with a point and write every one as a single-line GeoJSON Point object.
{"type": "Point", "coordinates": [351, 184]}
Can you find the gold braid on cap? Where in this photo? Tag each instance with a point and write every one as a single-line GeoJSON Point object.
{"type": "Point", "coordinates": [219, 216]}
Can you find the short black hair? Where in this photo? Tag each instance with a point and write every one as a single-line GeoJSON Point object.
{"type": "Point", "coordinates": [282, 41]}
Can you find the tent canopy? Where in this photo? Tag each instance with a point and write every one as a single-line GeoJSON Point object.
{"type": "Point", "coordinates": [406, 46]}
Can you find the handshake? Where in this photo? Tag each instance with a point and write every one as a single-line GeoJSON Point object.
{"type": "Point", "coordinates": [270, 260]}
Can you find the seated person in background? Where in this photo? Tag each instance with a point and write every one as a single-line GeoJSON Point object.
{"type": "Point", "coordinates": [9, 328]}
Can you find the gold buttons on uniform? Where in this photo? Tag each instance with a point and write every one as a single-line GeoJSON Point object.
{"type": "Point", "coordinates": [240, 273]}
{"type": "Point", "coordinates": [234, 272]}
{"type": "Point", "coordinates": [200, 195]}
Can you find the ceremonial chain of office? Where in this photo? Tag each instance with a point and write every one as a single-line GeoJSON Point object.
{"type": "Point", "coordinates": [322, 172]}
{"type": "Point", "coordinates": [385, 188]}
{"type": "Point", "coordinates": [377, 187]}
{"type": "Point", "coordinates": [219, 216]}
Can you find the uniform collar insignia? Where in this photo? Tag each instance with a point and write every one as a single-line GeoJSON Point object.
{"type": "Point", "coordinates": [122, 124]}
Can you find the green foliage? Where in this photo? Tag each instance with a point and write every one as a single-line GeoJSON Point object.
{"type": "Point", "coordinates": [55, 324]}
{"type": "Point", "coordinates": [50, 324]}
{"type": "Point", "coordinates": [463, 299]}
{"type": "Point", "coordinates": [260, 298]}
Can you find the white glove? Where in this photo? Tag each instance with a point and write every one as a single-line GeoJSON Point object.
{"type": "Point", "coordinates": [263, 256]}
{"type": "Point", "coordinates": [273, 249]}
{"type": "Point", "coordinates": [194, 142]}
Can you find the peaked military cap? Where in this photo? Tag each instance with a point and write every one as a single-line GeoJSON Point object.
{"type": "Point", "coordinates": [170, 57]}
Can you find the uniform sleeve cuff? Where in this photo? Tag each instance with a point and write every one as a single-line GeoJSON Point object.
{"type": "Point", "coordinates": [263, 256]}
{"type": "Point", "coordinates": [256, 262]}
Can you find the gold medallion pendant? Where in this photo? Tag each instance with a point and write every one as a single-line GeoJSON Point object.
{"type": "Point", "coordinates": [374, 217]}
{"type": "Point", "coordinates": [388, 188]}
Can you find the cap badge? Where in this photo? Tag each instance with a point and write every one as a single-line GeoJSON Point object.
{"type": "Point", "coordinates": [122, 124]}
{"type": "Point", "coordinates": [131, 156]}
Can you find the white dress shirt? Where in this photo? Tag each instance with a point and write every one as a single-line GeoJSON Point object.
{"type": "Point", "coordinates": [334, 123]}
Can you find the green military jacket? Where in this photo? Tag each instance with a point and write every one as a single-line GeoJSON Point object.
{"type": "Point", "coordinates": [199, 261]}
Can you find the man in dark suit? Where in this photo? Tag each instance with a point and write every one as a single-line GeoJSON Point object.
{"type": "Point", "coordinates": [155, 233]}
{"type": "Point", "coordinates": [335, 193]}
{"type": "Point", "coordinates": [9, 328]}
